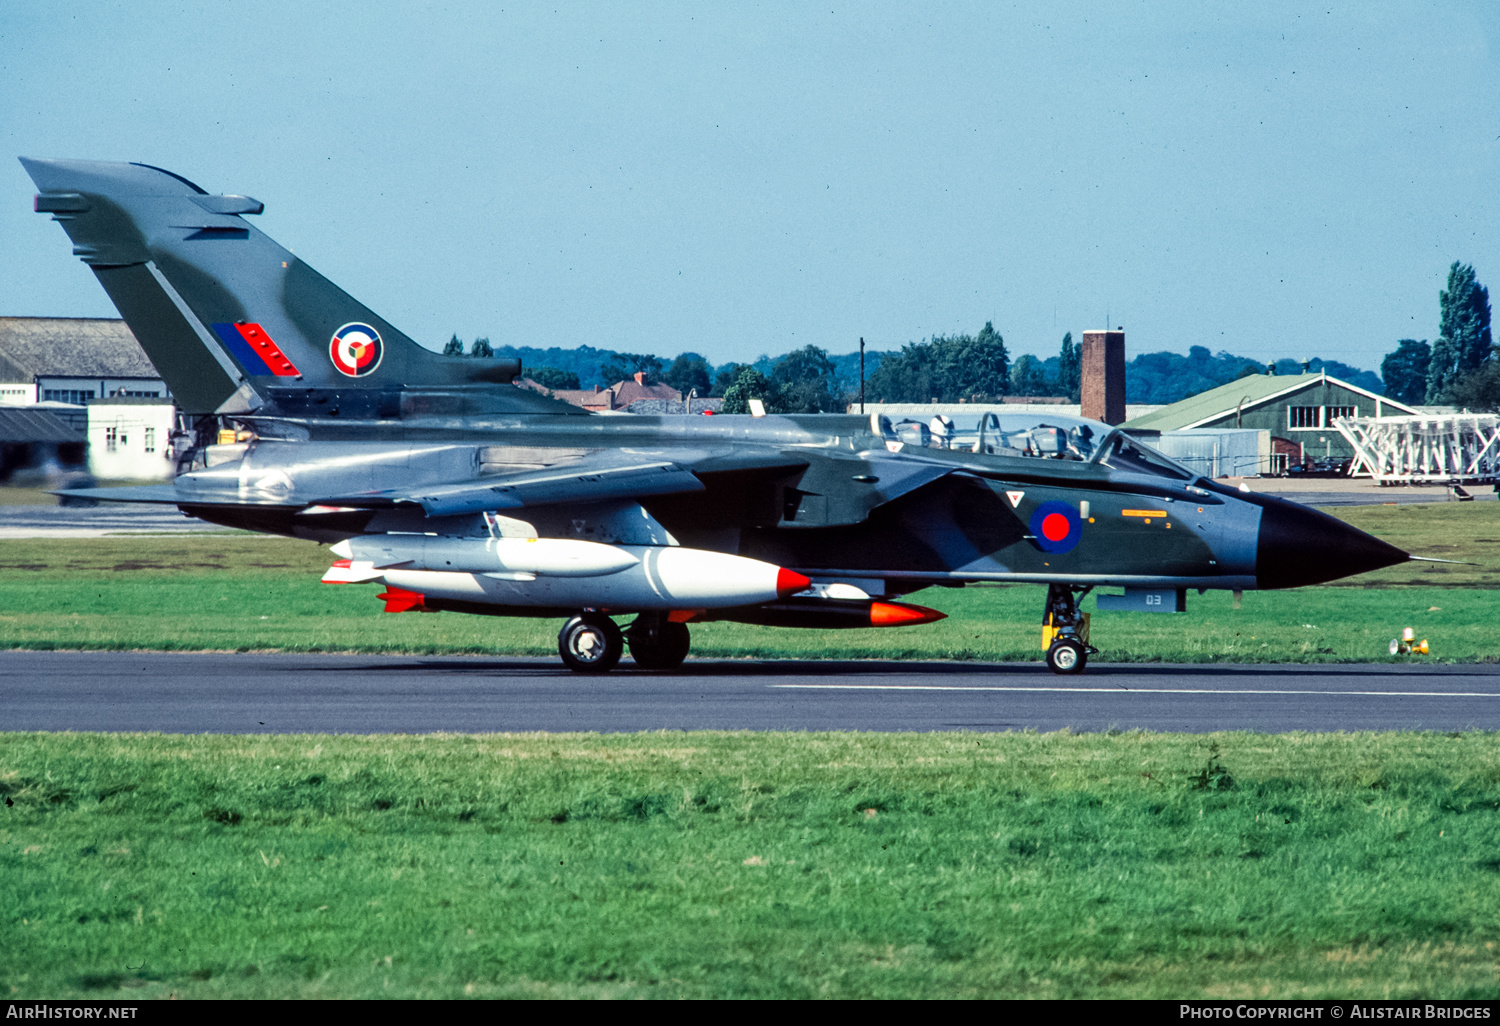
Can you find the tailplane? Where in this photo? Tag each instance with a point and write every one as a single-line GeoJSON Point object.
{"type": "Point", "coordinates": [227, 315]}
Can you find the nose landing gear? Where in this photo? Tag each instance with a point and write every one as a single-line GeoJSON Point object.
{"type": "Point", "coordinates": [1066, 656]}
{"type": "Point", "coordinates": [1065, 631]}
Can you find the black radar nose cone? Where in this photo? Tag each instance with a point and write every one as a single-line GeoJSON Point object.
{"type": "Point", "coordinates": [1299, 546]}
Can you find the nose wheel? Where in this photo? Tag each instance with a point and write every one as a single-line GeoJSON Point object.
{"type": "Point", "coordinates": [1067, 656]}
{"type": "Point", "coordinates": [590, 643]}
{"type": "Point", "coordinates": [1065, 631]}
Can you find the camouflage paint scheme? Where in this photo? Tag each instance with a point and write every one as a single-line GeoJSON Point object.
{"type": "Point", "coordinates": [431, 444]}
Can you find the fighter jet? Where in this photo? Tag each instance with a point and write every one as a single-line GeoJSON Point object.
{"type": "Point", "coordinates": [441, 481]}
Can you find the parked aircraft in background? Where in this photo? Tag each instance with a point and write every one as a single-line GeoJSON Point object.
{"type": "Point", "coordinates": [436, 478]}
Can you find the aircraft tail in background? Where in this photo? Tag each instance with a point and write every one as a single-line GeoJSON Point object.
{"type": "Point", "coordinates": [225, 313]}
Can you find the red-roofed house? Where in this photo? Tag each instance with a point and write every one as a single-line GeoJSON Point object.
{"type": "Point", "coordinates": [616, 397]}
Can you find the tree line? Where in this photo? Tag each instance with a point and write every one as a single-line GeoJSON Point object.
{"type": "Point", "coordinates": [1459, 368]}
{"type": "Point", "coordinates": [974, 367]}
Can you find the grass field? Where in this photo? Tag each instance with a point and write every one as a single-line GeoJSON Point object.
{"type": "Point", "coordinates": [247, 592]}
{"type": "Point", "coordinates": [38, 495]}
{"type": "Point", "coordinates": [12, 495]}
{"type": "Point", "coordinates": [736, 864]}
{"type": "Point", "coordinates": [742, 865]}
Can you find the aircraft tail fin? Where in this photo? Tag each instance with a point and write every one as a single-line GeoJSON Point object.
{"type": "Point", "coordinates": [225, 313]}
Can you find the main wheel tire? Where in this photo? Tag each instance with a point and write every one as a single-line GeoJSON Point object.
{"type": "Point", "coordinates": [590, 643]}
{"type": "Point", "coordinates": [661, 646]}
{"type": "Point", "coordinates": [1066, 656]}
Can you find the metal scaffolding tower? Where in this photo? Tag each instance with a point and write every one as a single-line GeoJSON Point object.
{"type": "Point", "coordinates": [1455, 447]}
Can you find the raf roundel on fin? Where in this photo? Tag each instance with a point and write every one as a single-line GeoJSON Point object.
{"type": "Point", "coordinates": [356, 349]}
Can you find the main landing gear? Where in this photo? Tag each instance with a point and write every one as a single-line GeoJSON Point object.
{"type": "Point", "coordinates": [1065, 631]}
{"type": "Point", "coordinates": [656, 643]}
{"type": "Point", "coordinates": [592, 643]}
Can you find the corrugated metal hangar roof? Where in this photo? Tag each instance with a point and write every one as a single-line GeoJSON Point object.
{"type": "Point", "coordinates": [92, 347]}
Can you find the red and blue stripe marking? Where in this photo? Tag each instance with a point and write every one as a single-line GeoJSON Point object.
{"type": "Point", "coordinates": [253, 347]}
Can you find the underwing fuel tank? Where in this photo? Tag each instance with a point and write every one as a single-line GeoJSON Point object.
{"type": "Point", "coordinates": [559, 572]}
{"type": "Point", "coordinates": [551, 557]}
{"type": "Point", "coordinates": [827, 614]}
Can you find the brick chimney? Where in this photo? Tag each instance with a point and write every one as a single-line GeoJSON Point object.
{"type": "Point", "coordinates": [1102, 375]}
{"type": "Point", "coordinates": [640, 378]}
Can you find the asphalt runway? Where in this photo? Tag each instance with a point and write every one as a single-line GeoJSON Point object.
{"type": "Point", "coordinates": [252, 694]}
{"type": "Point", "coordinates": [96, 521]}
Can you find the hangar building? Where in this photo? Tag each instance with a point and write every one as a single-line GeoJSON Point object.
{"type": "Point", "coordinates": [80, 391]}
{"type": "Point", "coordinates": [1298, 410]}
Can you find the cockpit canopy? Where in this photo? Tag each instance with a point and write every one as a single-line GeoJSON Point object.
{"type": "Point", "coordinates": [1030, 433]}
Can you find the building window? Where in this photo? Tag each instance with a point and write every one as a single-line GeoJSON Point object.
{"type": "Point", "coordinates": [1278, 463]}
{"type": "Point", "coordinates": [78, 397]}
{"type": "Point", "coordinates": [1332, 413]}
{"type": "Point", "coordinates": [150, 439]}
{"type": "Point", "coordinates": [1303, 417]}
{"type": "Point", "coordinates": [127, 394]}
{"type": "Point", "coordinates": [111, 439]}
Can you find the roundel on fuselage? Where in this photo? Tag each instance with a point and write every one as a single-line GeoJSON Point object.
{"type": "Point", "coordinates": [1056, 527]}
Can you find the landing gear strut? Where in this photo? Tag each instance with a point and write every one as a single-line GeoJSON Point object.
{"type": "Point", "coordinates": [656, 643]}
{"type": "Point", "coordinates": [1065, 631]}
{"type": "Point", "coordinates": [590, 643]}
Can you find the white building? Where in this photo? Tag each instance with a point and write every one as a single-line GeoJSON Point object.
{"type": "Point", "coordinates": [130, 438]}
{"type": "Point", "coordinates": [91, 375]}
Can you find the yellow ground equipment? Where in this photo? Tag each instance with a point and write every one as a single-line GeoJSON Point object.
{"type": "Point", "coordinates": [1407, 643]}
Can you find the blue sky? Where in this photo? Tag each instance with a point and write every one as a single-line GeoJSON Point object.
{"type": "Point", "coordinates": [1278, 180]}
